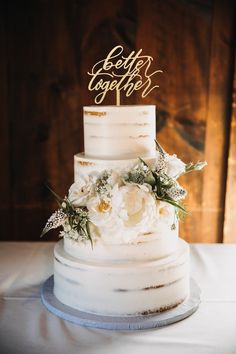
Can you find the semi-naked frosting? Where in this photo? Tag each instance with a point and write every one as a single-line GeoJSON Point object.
{"type": "Point", "coordinates": [146, 247]}
{"type": "Point", "coordinates": [119, 132]}
{"type": "Point", "coordinates": [129, 270]}
{"type": "Point", "coordinates": [126, 288]}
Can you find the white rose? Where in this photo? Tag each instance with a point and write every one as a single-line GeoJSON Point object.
{"type": "Point", "coordinates": [174, 165]}
{"type": "Point", "coordinates": [100, 211]}
{"type": "Point", "coordinates": [128, 212]}
{"type": "Point", "coordinates": [134, 209]}
{"type": "Point", "coordinates": [102, 217]}
{"type": "Point", "coordinates": [80, 191]}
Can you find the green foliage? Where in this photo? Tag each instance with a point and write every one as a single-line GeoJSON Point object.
{"type": "Point", "coordinates": [76, 218]}
{"type": "Point", "coordinates": [194, 166]}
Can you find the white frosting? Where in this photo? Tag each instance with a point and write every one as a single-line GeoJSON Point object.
{"type": "Point", "coordinates": [119, 132]}
{"type": "Point", "coordinates": [125, 288]}
{"type": "Point", "coordinates": [137, 263]}
{"type": "Point", "coordinates": [146, 247]}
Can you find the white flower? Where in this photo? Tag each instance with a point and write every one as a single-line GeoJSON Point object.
{"type": "Point", "coordinates": [166, 212]}
{"type": "Point", "coordinates": [100, 210]}
{"type": "Point", "coordinates": [166, 218]}
{"type": "Point", "coordinates": [134, 210]}
{"type": "Point", "coordinates": [73, 234]}
{"type": "Point", "coordinates": [174, 165]}
{"type": "Point", "coordinates": [102, 217]}
{"type": "Point", "coordinates": [120, 219]}
{"type": "Point", "coordinates": [80, 191]}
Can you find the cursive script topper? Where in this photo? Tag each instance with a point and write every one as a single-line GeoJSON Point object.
{"type": "Point", "coordinates": [122, 73]}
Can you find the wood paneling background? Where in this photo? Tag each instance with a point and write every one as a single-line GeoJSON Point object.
{"type": "Point", "coordinates": [46, 49]}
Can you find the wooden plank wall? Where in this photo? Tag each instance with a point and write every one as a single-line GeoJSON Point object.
{"type": "Point", "coordinates": [5, 160]}
{"type": "Point", "coordinates": [217, 122]}
{"type": "Point", "coordinates": [230, 205]}
{"type": "Point", "coordinates": [47, 47]}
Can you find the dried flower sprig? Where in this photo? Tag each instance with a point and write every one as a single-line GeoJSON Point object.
{"type": "Point", "coordinates": [164, 187]}
{"type": "Point", "coordinates": [76, 219]}
{"type": "Point", "coordinates": [102, 185]}
{"type": "Point", "coordinates": [56, 219]}
{"type": "Point", "coordinates": [140, 174]}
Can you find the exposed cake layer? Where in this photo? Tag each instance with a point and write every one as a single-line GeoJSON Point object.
{"type": "Point", "coordinates": [84, 165]}
{"type": "Point", "coordinates": [127, 288]}
{"type": "Point", "coordinates": [119, 132]}
{"type": "Point", "coordinates": [146, 247]}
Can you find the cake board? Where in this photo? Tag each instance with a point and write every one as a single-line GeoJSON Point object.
{"type": "Point", "coordinates": [133, 323]}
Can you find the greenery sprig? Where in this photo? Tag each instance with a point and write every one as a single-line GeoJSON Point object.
{"type": "Point", "coordinates": [160, 184]}
{"type": "Point", "coordinates": [76, 218]}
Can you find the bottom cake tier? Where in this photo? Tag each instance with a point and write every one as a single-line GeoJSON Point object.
{"type": "Point", "coordinates": [122, 289]}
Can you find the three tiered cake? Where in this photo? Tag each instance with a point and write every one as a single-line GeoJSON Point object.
{"type": "Point", "coordinates": [121, 254]}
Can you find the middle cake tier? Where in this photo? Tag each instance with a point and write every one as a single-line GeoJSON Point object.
{"type": "Point", "coordinates": [142, 226]}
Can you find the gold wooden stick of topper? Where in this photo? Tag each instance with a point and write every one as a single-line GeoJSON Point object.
{"type": "Point", "coordinates": [122, 73]}
{"type": "Point", "coordinates": [117, 97]}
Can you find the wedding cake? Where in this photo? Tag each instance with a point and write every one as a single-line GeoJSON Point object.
{"type": "Point", "coordinates": [120, 253]}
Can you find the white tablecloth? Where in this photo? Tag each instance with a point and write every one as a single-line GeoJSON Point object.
{"type": "Point", "coordinates": [26, 327]}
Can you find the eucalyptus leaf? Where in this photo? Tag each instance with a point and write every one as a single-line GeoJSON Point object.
{"type": "Point", "coordinates": [89, 234]}
{"type": "Point", "coordinates": [172, 202]}
{"type": "Point", "coordinates": [57, 197]}
{"type": "Point", "coordinates": [195, 166]}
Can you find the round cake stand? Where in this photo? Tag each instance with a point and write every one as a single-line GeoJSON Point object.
{"type": "Point", "coordinates": [133, 323]}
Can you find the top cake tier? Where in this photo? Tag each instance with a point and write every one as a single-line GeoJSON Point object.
{"type": "Point", "coordinates": [119, 132]}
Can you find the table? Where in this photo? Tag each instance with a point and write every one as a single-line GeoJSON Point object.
{"type": "Point", "coordinates": [26, 327]}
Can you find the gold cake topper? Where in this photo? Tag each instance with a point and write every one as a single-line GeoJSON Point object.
{"type": "Point", "coordinates": [122, 73]}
